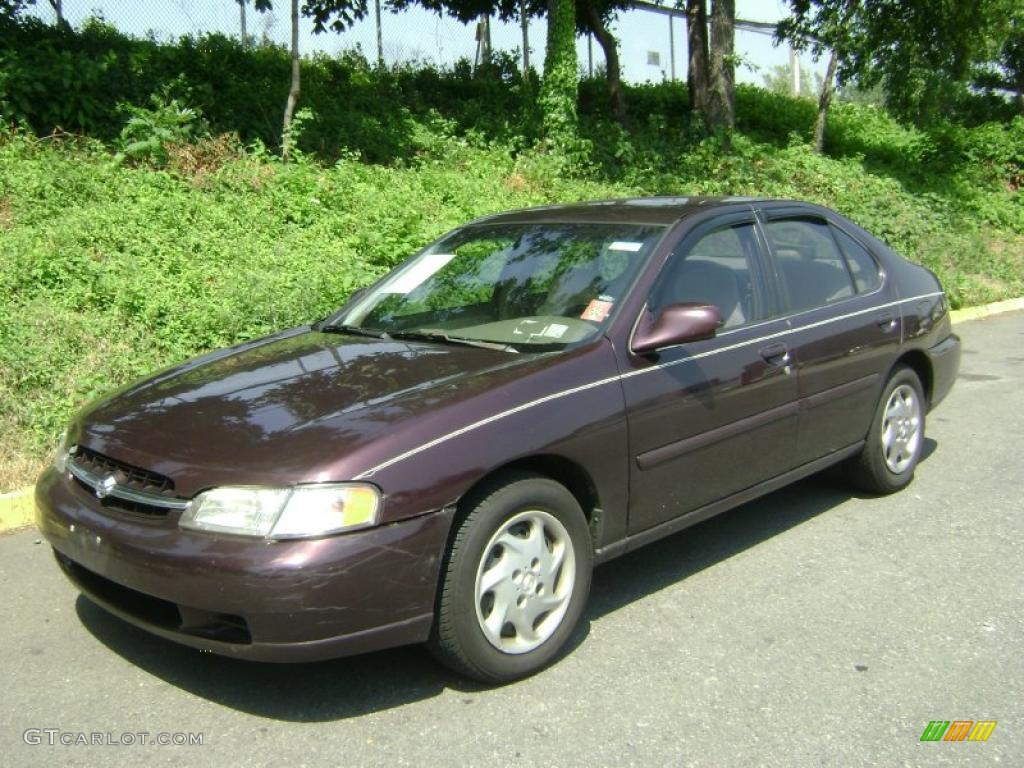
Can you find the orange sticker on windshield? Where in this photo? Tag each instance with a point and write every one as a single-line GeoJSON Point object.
{"type": "Point", "coordinates": [597, 311]}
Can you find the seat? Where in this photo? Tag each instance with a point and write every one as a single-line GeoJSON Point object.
{"type": "Point", "coordinates": [704, 282]}
{"type": "Point", "coordinates": [814, 283]}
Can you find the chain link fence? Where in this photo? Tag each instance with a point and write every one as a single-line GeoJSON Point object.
{"type": "Point", "coordinates": [652, 41]}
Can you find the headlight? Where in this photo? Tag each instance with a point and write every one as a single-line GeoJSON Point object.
{"type": "Point", "coordinates": [60, 459]}
{"type": "Point", "coordinates": [304, 511]}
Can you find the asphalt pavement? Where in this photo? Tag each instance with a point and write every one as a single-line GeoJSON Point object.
{"type": "Point", "coordinates": [812, 627]}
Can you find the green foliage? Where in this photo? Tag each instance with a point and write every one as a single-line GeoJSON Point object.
{"type": "Point", "coordinates": [82, 81]}
{"type": "Point", "coordinates": [111, 270]}
{"type": "Point", "coordinates": [925, 53]}
{"type": "Point", "coordinates": [149, 132]}
{"type": "Point", "coordinates": [558, 91]}
{"type": "Point", "coordinates": [779, 79]}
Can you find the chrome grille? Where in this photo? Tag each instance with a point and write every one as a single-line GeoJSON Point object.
{"type": "Point", "coordinates": [127, 475]}
{"type": "Point", "coordinates": [123, 487]}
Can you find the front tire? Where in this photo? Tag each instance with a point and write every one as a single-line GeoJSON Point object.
{"type": "Point", "coordinates": [895, 440]}
{"type": "Point", "coordinates": [515, 580]}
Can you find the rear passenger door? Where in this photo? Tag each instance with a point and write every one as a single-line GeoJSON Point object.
{"type": "Point", "coordinates": [845, 327]}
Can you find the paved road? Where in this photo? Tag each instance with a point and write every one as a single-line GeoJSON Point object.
{"type": "Point", "coordinates": [809, 628]}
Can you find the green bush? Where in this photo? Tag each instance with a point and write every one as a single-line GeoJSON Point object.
{"type": "Point", "coordinates": [108, 271]}
{"type": "Point", "coordinates": [203, 238]}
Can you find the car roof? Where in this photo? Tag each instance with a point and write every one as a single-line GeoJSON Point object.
{"type": "Point", "coordinates": [637, 210]}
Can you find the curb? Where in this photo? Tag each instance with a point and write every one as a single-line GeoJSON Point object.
{"type": "Point", "coordinates": [18, 509]}
{"type": "Point", "coordinates": [986, 310]}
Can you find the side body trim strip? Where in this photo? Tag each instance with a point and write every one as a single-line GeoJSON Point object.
{"type": "Point", "coordinates": [584, 387]}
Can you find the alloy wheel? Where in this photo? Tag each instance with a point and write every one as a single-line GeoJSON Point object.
{"type": "Point", "coordinates": [901, 429]}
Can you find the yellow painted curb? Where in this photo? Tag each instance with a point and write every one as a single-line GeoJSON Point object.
{"type": "Point", "coordinates": [17, 510]}
{"type": "Point", "coordinates": [985, 310]}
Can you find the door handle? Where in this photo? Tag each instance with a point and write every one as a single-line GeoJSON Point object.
{"type": "Point", "coordinates": [887, 321]}
{"type": "Point", "coordinates": [776, 354]}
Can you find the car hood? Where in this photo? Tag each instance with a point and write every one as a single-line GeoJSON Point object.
{"type": "Point", "coordinates": [281, 409]}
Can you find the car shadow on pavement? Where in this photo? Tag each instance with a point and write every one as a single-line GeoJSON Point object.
{"type": "Point", "coordinates": [349, 687]}
{"type": "Point", "coordinates": [313, 692]}
{"type": "Point", "coordinates": [681, 555]}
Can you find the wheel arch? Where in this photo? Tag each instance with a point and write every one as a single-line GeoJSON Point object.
{"type": "Point", "coordinates": [918, 362]}
{"type": "Point", "coordinates": [576, 479]}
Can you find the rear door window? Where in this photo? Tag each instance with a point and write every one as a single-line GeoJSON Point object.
{"type": "Point", "coordinates": [811, 266]}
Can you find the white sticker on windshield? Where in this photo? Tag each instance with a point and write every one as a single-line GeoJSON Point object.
{"type": "Point", "coordinates": [625, 245]}
{"type": "Point", "coordinates": [418, 274]}
{"type": "Point", "coordinates": [555, 330]}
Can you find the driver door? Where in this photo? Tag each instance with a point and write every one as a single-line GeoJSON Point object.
{"type": "Point", "coordinates": [711, 418]}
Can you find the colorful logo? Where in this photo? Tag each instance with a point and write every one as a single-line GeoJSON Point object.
{"type": "Point", "coordinates": [958, 730]}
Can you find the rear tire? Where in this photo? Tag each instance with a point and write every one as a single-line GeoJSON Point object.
{"type": "Point", "coordinates": [895, 440]}
{"type": "Point", "coordinates": [515, 580]}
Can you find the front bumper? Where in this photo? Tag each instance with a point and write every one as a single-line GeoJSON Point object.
{"type": "Point", "coordinates": [250, 598]}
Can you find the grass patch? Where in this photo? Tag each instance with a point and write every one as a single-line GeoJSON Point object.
{"type": "Point", "coordinates": [109, 271]}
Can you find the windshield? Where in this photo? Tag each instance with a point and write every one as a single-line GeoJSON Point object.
{"type": "Point", "coordinates": [522, 285]}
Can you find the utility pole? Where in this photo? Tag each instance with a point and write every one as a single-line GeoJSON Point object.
{"type": "Point", "coordinates": [672, 47]}
{"type": "Point", "coordinates": [483, 41]}
{"type": "Point", "coordinates": [241, 14]}
{"type": "Point", "coordinates": [794, 71]}
{"type": "Point", "coordinates": [380, 35]}
{"type": "Point", "coordinates": [525, 24]}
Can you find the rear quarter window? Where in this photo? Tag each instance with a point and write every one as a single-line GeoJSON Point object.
{"type": "Point", "coordinates": [866, 274]}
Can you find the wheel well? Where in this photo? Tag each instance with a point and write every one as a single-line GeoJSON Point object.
{"type": "Point", "coordinates": [918, 361]}
{"type": "Point", "coordinates": [570, 474]}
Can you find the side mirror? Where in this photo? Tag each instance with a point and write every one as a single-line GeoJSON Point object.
{"type": "Point", "coordinates": [675, 324]}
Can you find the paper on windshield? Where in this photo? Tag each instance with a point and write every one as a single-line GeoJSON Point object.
{"type": "Point", "coordinates": [597, 310]}
{"type": "Point", "coordinates": [419, 273]}
{"type": "Point", "coordinates": [625, 245]}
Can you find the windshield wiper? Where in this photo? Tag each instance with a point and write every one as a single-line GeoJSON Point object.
{"type": "Point", "coordinates": [353, 330]}
{"type": "Point", "coordinates": [444, 338]}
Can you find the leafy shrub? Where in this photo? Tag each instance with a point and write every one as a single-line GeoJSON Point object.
{"type": "Point", "coordinates": [109, 270]}
{"type": "Point", "coordinates": [149, 133]}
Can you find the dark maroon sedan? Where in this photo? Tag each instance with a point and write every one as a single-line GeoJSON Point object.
{"type": "Point", "coordinates": [447, 457]}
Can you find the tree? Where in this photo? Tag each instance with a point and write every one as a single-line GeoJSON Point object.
{"type": "Point", "coordinates": [824, 102]}
{"type": "Point", "coordinates": [779, 79]}
{"type": "Point", "coordinates": [294, 88]}
{"type": "Point", "coordinates": [595, 17]}
{"type": "Point", "coordinates": [14, 7]}
{"type": "Point", "coordinates": [559, 88]}
{"type": "Point", "coordinates": [1012, 58]}
{"type": "Point", "coordinates": [336, 14]}
{"type": "Point", "coordinates": [711, 76]}
{"type": "Point", "coordinates": [1006, 71]}
{"type": "Point", "coordinates": [830, 28]}
{"type": "Point", "coordinates": [921, 51]}
{"type": "Point", "coordinates": [697, 69]}
{"type": "Point", "coordinates": [722, 67]}
{"type": "Point", "coordinates": [580, 16]}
